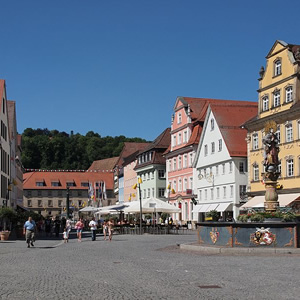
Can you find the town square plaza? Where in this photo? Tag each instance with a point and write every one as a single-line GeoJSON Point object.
{"type": "Point", "coordinates": [142, 267]}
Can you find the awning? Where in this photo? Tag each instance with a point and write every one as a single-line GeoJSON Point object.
{"type": "Point", "coordinates": [204, 208]}
{"type": "Point", "coordinates": [213, 206]}
{"type": "Point", "coordinates": [284, 200]}
{"type": "Point", "coordinates": [196, 208]}
{"type": "Point", "coordinates": [223, 206]}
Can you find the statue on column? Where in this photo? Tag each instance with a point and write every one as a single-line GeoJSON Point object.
{"type": "Point", "coordinates": [271, 162]}
{"type": "Point", "coordinates": [271, 147]}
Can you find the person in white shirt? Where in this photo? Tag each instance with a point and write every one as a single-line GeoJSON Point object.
{"type": "Point", "coordinates": [93, 226]}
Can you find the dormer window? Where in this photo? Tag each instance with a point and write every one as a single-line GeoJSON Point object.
{"type": "Point", "coordinates": [40, 182]}
{"type": "Point", "coordinates": [70, 183]}
{"type": "Point", "coordinates": [277, 67]}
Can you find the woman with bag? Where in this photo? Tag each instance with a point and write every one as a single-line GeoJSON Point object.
{"type": "Point", "coordinates": [79, 227]}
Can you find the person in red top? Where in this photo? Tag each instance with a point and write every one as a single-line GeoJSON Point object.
{"type": "Point", "coordinates": [79, 226]}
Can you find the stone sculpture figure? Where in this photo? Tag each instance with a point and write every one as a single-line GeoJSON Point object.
{"type": "Point", "coordinates": [271, 147]}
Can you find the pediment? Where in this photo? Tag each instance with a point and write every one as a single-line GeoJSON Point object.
{"type": "Point", "coordinates": [277, 47]}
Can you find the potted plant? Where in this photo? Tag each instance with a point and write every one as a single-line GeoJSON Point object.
{"type": "Point", "coordinates": [7, 216]}
{"type": "Point", "coordinates": [213, 214]}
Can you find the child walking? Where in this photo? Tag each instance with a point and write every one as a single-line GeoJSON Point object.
{"type": "Point", "coordinates": [66, 235]}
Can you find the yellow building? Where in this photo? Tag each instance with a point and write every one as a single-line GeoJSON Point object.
{"type": "Point", "coordinates": [279, 101]}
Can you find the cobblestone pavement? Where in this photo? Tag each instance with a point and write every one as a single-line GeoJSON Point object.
{"type": "Point", "coordinates": [141, 267]}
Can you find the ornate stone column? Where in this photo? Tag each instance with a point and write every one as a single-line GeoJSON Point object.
{"type": "Point", "coordinates": [271, 197]}
{"type": "Point", "coordinates": [271, 162]}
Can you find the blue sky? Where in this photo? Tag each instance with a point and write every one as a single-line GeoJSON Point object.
{"type": "Point", "coordinates": [116, 67]}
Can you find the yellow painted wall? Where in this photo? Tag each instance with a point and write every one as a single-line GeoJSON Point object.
{"type": "Point", "coordinates": [291, 149]}
{"type": "Point", "coordinates": [287, 69]}
{"type": "Point", "coordinates": [287, 150]}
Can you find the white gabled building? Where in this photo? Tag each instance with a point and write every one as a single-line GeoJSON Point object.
{"type": "Point", "coordinates": [220, 165]}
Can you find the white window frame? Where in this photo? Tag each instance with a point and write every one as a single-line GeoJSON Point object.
{"type": "Point", "coordinates": [191, 159]}
{"type": "Point", "coordinates": [276, 98]}
{"type": "Point", "coordinates": [265, 103]}
{"type": "Point", "coordinates": [185, 160]}
{"type": "Point", "coordinates": [290, 167]}
{"type": "Point", "coordinates": [217, 170]}
{"type": "Point", "coordinates": [289, 132]}
{"type": "Point", "coordinates": [223, 169]}
{"type": "Point", "coordinates": [212, 124]}
{"type": "Point", "coordinates": [185, 184]}
{"type": "Point", "coordinates": [289, 94]}
{"type": "Point", "coordinates": [174, 140]}
{"type": "Point", "coordinates": [179, 138]}
{"type": "Point", "coordinates": [179, 162]}
{"type": "Point", "coordinates": [205, 150]}
{"type": "Point", "coordinates": [277, 67]}
{"type": "Point", "coordinates": [179, 185]}
{"type": "Point", "coordinates": [220, 145]}
{"type": "Point", "coordinates": [218, 193]}
{"type": "Point", "coordinates": [179, 119]}
{"type": "Point", "coordinates": [231, 191]}
{"type": "Point", "coordinates": [224, 192]}
{"type": "Point", "coordinates": [230, 167]}
{"type": "Point", "coordinates": [255, 172]}
{"type": "Point", "coordinates": [254, 141]}
{"type": "Point", "coordinates": [212, 147]}
{"type": "Point", "coordinates": [191, 183]}
{"type": "Point", "coordinates": [174, 164]}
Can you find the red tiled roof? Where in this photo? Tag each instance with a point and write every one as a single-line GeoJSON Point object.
{"type": "Point", "coordinates": [130, 148]}
{"type": "Point", "coordinates": [31, 178]}
{"type": "Point", "coordinates": [199, 105]}
{"type": "Point", "coordinates": [229, 119]}
{"type": "Point", "coordinates": [104, 164]}
{"type": "Point", "coordinates": [195, 136]}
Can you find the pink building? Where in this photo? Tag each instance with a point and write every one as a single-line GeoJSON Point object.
{"type": "Point", "coordinates": [186, 129]}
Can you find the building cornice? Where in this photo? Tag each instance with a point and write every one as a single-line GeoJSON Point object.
{"type": "Point", "coordinates": [277, 83]}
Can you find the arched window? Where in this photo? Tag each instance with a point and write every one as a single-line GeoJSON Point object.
{"type": "Point", "coordinates": [290, 167]}
{"type": "Point", "coordinates": [289, 94]}
{"type": "Point", "coordinates": [277, 67]}
{"type": "Point", "coordinates": [255, 172]}
{"type": "Point", "coordinates": [276, 98]}
{"type": "Point", "coordinates": [265, 103]}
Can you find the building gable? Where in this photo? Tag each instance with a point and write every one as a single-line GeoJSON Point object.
{"type": "Point", "coordinates": [208, 152]}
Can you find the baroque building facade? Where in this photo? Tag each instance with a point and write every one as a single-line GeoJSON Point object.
{"type": "Point", "coordinates": [279, 103]}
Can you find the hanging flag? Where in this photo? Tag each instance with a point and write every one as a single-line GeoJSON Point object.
{"type": "Point", "coordinates": [104, 191]}
{"type": "Point", "coordinates": [95, 192]}
{"type": "Point", "coordinates": [91, 191]}
{"type": "Point", "coordinates": [99, 190]}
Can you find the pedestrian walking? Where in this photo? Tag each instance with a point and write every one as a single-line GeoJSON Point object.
{"type": "Point", "coordinates": [93, 226]}
{"type": "Point", "coordinates": [29, 231]}
{"type": "Point", "coordinates": [68, 227]}
{"type": "Point", "coordinates": [48, 224]}
{"type": "Point", "coordinates": [57, 224]}
{"type": "Point", "coordinates": [65, 235]}
{"type": "Point", "coordinates": [110, 225]}
{"type": "Point", "coordinates": [79, 227]}
{"type": "Point", "coordinates": [104, 230]}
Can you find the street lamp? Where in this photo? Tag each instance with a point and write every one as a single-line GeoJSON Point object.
{"type": "Point", "coordinates": [68, 202]}
{"type": "Point", "coordinates": [140, 197]}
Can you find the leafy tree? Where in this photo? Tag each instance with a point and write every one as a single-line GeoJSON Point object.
{"type": "Point", "coordinates": [52, 149]}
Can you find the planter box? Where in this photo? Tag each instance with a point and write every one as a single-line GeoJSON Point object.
{"type": "Point", "coordinates": [4, 235]}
